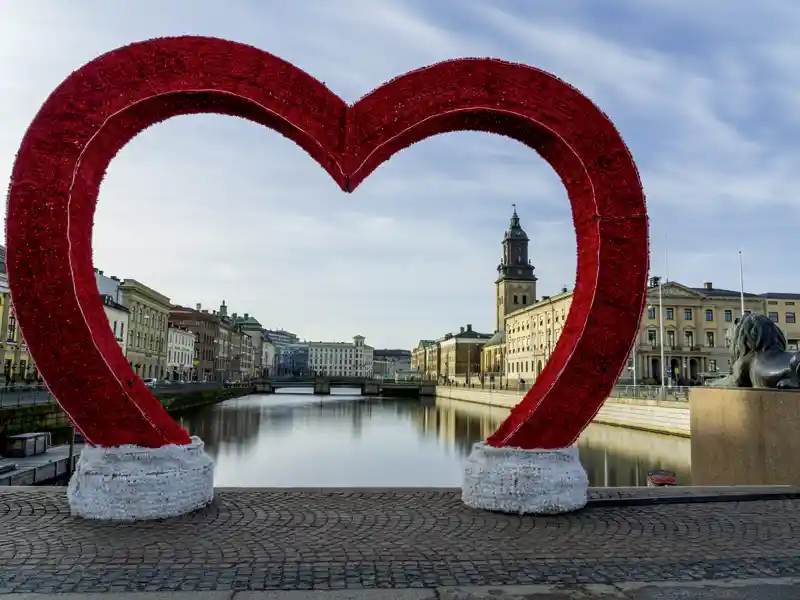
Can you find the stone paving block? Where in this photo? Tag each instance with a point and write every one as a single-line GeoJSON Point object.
{"type": "Point", "coordinates": [311, 540]}
{"type": "Point", "coordinates": [339, 595]}
{"type": "Point", "coordinates": [748, 589]}
{"type": "Point", "coordinates": [128, 596]}
{"type": "Point", "coordinates": [534, 592]}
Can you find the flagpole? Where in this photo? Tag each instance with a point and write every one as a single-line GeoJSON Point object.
{"type": "Point", "coordinates": [661, 334]}
{"type": "Point", "coordinates": [741, 282]}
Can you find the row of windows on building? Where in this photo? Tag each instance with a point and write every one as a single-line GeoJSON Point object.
{"type": "Point", "coordinates": [553, 316]}
{"type": "Point", "coordinates": [340, 362]}
{"type": "Point", "coordinates": [179, 356]}
{"type": "Point", "coordinates": [688, 315]}
{"type": "Point", "coordinates": [121, 330]}
{"type": "Point", "coordinates": [528, 366]}
{"type": "Point", "coordinates": [148, 341]}
{"type": "Point", "coordinates": [148, 316]}
{"type": "Point", "coordinates": [688, 338]}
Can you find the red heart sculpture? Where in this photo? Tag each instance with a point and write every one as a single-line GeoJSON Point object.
{"type": "Point", "coordinates": [100, 107]}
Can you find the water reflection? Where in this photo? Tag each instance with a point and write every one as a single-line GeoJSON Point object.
{"type": "Point", "coordinates": [298, 439]}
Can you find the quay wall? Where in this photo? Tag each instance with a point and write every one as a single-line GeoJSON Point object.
{"type": "Point", "coordinates": [657, 416]}
{"type": "Point", "coordinates": [50, 417]}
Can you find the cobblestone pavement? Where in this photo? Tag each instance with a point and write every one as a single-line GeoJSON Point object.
{"type": "Point", "coordinates": [334, 539]}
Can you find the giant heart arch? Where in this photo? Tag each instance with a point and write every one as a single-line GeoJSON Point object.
{"type": "Point", "coordinates": [103, 105]}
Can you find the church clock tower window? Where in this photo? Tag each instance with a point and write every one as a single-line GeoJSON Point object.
{"type": "Point", "coordinates": [515, 273]}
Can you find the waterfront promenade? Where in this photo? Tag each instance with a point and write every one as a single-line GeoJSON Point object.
{"type": "Point", "coordinates": [411, 539]}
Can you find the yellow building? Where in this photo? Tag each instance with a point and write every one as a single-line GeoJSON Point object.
{"type": "Point", "coordinates": [17, 363]}
{"type": "Point", "coordinates": [454, 357]}
{"type": "Point", "coordinates": [147, 328]}
{"type": "Point", "coordinates": [698, 322]}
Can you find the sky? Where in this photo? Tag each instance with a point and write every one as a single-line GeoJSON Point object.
{"type": "Point", "coordinates": [210, 208]}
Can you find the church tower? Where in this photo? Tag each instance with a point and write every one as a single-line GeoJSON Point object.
{"type": "Point", "coordinates": [516, 283]}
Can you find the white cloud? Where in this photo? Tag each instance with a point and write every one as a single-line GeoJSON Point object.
{"type": "Point", "coordinates": [211, 208]}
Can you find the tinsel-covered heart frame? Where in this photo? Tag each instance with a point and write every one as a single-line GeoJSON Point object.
{"type": "Point", "coordinates": [103, 105]}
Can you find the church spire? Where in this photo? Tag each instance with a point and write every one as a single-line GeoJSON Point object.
{"type": "Point", "coordinates": [515, 263]}
{"type": "Point", "coordinates": [514, 218]}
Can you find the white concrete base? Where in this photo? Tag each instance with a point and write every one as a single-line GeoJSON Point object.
{"type": "Point", "coordinates": [131, 483]}
{"type": "Point", "coordinates": [513, 480]}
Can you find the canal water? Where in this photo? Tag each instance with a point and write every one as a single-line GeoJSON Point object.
{"type": "Point", "coordinates": [345, 439]}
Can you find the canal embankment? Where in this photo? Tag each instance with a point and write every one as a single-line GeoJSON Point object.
{"type": "Point", "coordinates": [46, 415]}
{"type": "Point", "coordinates": [670, 416]}
{"type": "Point", "coordinates": [53, 465]}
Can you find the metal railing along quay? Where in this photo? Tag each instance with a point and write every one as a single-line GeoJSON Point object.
{"type": "Point", "coordinates": [642, 392]}
{"type": "Point", "coordinates": [24, 396]}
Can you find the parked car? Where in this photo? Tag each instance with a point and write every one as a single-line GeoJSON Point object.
{"type": "Point", "coordinates": [150, 382]}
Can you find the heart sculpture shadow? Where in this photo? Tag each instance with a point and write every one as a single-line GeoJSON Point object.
{"type": "Point", "coordinates": [99, 108]}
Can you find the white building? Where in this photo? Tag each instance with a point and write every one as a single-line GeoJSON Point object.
{"type": "Point", "coordinates": [267, 357]}
{"type": "Point", "coordinates": [341, 358]}
{"type": "Point", "coordinates": [118, 317]}
{"type": "Point", "coordinates": [180, 354]}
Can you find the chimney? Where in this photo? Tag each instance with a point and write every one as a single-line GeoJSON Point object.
{"type": "Point", "coordinates": [708, 285]}
{"type": "Point", "coordinates": [100, 272]}
{"type": "Point", "coordinates": [246, 316]}
{"type": "Point", "coordinates": [564, 290]}
{"type": "Point", "coordinates": [469, 327]}
{"type": "Point", "coordinates": [198, 306]}
{"type": "Point", "coordinates": [462, 329]}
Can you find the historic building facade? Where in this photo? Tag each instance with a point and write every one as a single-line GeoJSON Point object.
{"type": "Point", "coordinates": [18, 365]}
{"type": "Point", "coordinates": [698, 323]}
{"type": "Point", "coordinates": [118, 319]}
{"type": "Point", "coordinates": [147, 328]}
{"type": "Point", "coordinates": [180, 353]}
{"type": "Point", "coordinates": [455, 357]}
{"type": "Point", "coordinates": [341, 358]}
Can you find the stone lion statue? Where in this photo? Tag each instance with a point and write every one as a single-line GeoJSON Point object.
{"type": "Point", "coordinates": [759, 358]}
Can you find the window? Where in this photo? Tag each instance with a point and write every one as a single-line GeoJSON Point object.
{"type": "Point", "coordinates": [651, 312]}
{"type": "Point", "coordinates": [709, 314]}
{"type": "Point", "coordinates": [122, 329]}
{"type": "Point", "coordinates": [687, 314]}
{"type": "Point", "coordinates": [712, 365]}
{"type": "Point", "coordinates": [790, 317]}
{"type": "Point", "coordinates": [773, 302]}
{"type": "Point", "coordinates": [728, 316]}
{"type": "Point", "coordinates": [516, 299]}
{"type": "Point", "coordinates": [773, 316]}
{"type": "Point", "coordinates": [688, 337]}
{"type": "Point", "coordinates": [710, 339]}
{"type": "Point", "coordinates": [12, 326]}
{"type": "Point", "coordinates": [671, 338]}
{"type": "Point", "coordinates": [670, 314]}
{"type": "Point", "coordinates": [651, 337]}
{"type": "Point", "coordinates": [524, 299]}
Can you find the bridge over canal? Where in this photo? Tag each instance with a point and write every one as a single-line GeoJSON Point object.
{"type": "Point", "coordinates": [368, 387]}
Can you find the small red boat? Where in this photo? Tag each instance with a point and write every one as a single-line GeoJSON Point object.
{"type": "Point", "coordinates": [661, 478]}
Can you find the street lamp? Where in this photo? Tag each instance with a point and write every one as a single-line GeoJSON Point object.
{"type": "Point", "coordinates": [661, 336]}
